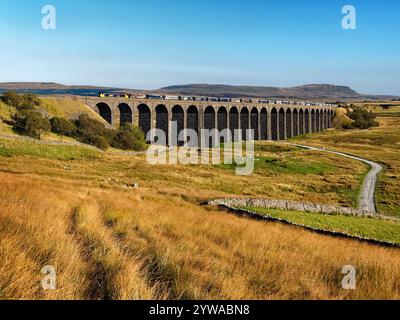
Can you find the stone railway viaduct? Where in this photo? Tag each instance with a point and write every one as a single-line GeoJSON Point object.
{"type": "Point", "coordinates": [269, 121]}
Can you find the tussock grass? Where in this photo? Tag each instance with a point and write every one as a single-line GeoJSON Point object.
{"type": "Point", "coordinates": [34, 233]}
{"type": "Point", "coordinates": [112, 274]}
{"type": "Point", "coordinates": [44, 224]}
{"type": "Point", "coordinates": [109, 243]}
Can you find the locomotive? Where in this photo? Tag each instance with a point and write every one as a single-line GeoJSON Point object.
{"type": "Point", "coordinates": [114, 95]}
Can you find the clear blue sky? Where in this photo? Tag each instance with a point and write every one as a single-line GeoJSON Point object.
{"type": "Point", "coordinates": [153, 43]}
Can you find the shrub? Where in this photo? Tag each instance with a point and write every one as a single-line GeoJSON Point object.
{"type": "Point", "coordinates": [98, 141]}
{"type": "Point", "coordinates": [62, 126]}
{"type": "Point", "coordinates": [129, 137]}
{"type": "Point", "coordinates": [347, 126]}
{"type": "Point", "coordinates": [30, 123]}
{"type": "Point", "coordinates": [21, 102]}
{"type": "Point", "coordinates": [12, 99]}
{"type": "Point", "coordinates": [94, 132]}
{"type": "Point", "coordinates": [363, 119]}
{"type": "Point", "coordinates": [88, 127]}
{"type": "Point", "coordinates": [140, 144]}
{"type": "Point", "coordinates": [30, 101]}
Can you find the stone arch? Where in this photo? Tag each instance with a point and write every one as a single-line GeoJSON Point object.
{"type": "Point", "coordinates": [233, 120]}
{"type": "Point", "coordinates": [282, 124]}
{"type": "Point", "coordinates": [313, 128]}
{"type": "Point", "coordinates": [326, 119]}
{"type": "Point", "coordinates": [289, 124]}
{"type": "Point", "coordinates": [144, 118]}
{"type": "Point", "coordinates": [105, 112]}
{"type": "Point", "coordinates": [193, 122]}
{"type": "Point", "coordinates": [222, 122]}
{"type": "Point", "coordinates": [209, 123]}
{"type": "Point", "coordinates": [178, 117]}
{"type": "Point", "coordinates": [162, 120]}
{"type": "Point", "coordinates": [244, 122]}
{"type": "Point", "coordinates": [254, 123]}
{"type": "Point", "coordinates": [274, 124]}
{"type": "Point", "coordinates": [307, 121]}
{"type": "Point", "coordinates": [222, 119]}
{"type": "Point", "coordinates": [125, 114]}
{"type": "Point", "coordinates": [301, 121]}
{"type": "Point", "coordinates": [263, 124]}
{"type": "Point", "coordinates": [295, 118]}
{"type": "Point", "coordinates": [209, 118]}
{"type": "Point", "coordinates": [317, 121]}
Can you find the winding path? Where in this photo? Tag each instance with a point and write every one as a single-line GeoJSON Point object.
{"type": "Point", "coordinates": [366, 201]}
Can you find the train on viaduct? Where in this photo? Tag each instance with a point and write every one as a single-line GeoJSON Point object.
{"type": "Point", "coordinates": [269, 121]}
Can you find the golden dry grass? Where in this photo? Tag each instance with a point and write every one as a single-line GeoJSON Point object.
{"type": "Point", "coordinates": [67, 108]}
{"type": "Point", "coordinates": [110, 243]}
{"type": "Point", "coordinates": [43, 223]}
{"type": "Point", "coordinates": [341, 118]}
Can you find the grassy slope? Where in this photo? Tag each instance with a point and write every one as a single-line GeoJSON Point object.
{"type": "Point", "coordinates": [341, 119]}
{"type": "Point", "coordinates": [5, 114]}
{"type": "Point", "coordinates": [364, 227]}
{"type": "Point", "coordinates": [55, 107]}
{"type": "Point", "coordinates": [67, 108]}
{"type": "Point", "coordinates": [5, 110]}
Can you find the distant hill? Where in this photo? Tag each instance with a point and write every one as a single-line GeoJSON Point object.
{"type": "Point", "coordinates": [51, 88]}
{"type": "Point", "coordinates": [310, 91]}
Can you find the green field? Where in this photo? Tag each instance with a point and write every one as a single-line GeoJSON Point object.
{"type": "Point", "coordinates": [287, 166]}
{"type": "Point", "coordinates": [371, 228]}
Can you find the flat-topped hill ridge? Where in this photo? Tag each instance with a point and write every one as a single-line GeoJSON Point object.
{"type": "Point", "coordinates": [308, 91]}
